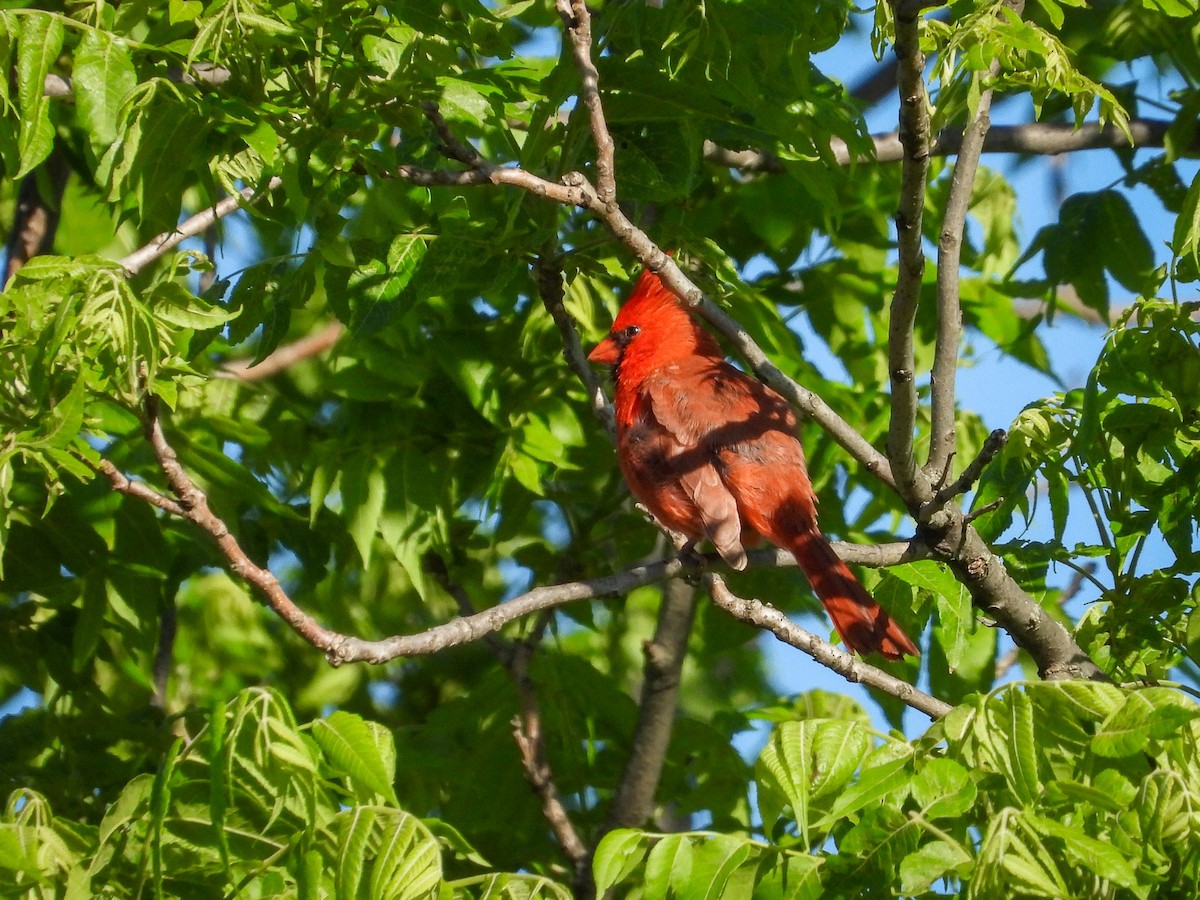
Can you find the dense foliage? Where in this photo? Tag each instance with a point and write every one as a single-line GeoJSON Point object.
{"type": "Point", "coordinates": [439, 456]}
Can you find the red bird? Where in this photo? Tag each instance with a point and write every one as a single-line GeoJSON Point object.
{"type": "Point", "coordinates": [712, 453]}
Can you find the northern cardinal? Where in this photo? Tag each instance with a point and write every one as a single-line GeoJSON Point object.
{"type": "Point", "coordinates": [712, 453]}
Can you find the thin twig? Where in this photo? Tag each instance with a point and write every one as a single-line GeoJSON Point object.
{"type": "Point", "coordinates": [527, 732]}
{"type": "Point", "coordinates": [137, 489]}
{"type": "Point", "coordinates": [983, 510]}
{"type": "Point", "coordinates": [451, 145]}
{"type": "Point", "coordinates": [767, 617]}
{"type": "Point", "coordinates": [548, 275]}
{"type": "Point", "coordinates": [164, 653]}
{"type": "Point", "coordinates": [283, 357]}
{"type": "Point", "coordinates": [197, 224]}
{"type": "Point", "coordinates": [577, 19]}
{"type": "Point", "coordinates": [1032, 138]}
{"type": "Point", "coordinates": [949, 310]}
{"type": "Point", "coordinates": [991, 446]}
{"type": "Point", "coordinates": [527, 725]}
{"type": "Point", "coordinates": [568, 194]}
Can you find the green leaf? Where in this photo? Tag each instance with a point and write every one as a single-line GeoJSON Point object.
{"type": "Point", "coordinates": [408, 865]}
{"type": "Point", "coordinates": [38, 46]}
{"type": "Point", "coordinates": [1013, 860]}
{"type": "Point", "coordinates": [838, 749]}
{"type": "Point", "coordinates": [883, 774]}
{"type": "Point", "coordinates": [1186, 239]}
{"type": "Point", "coordinates": [1150, 713]}
{"type": "Point", "coordinates": [617, 855]}
{"type": "Point", "coordinates": [176, 305]}
{"type": "Point", "coordinates": [1006, 737]}
{"type": "Point", "coordinates": [786, 766]}
{"type": "Point", "coordinates": [714, 863]}
{"type": "Point", "coordinates": [955, 617]}
{"type": "Point", "coordinates": [1087, 852]}
{"type": "Point", "coordinates": [362, 750]}
{"type": "Point", "coordinates": [1102, 219]}
{"type": "Point", "coordinates": [933, 861]}
{"type": "Point", "coordinates": [668, 865]}
{"type": "Point", "coordinates": [1127, 730]}
{"type": "Point", "coordinates": [160, 800]}
{"type": "Point", "coordinates": [364, 489]}
{"type": "Point", "coordinates": [354, 841]}
{"type": "Point", "coordinates": [103, 77]}
{"type": "Point", "coordinates": [65, 421]}
{"type": "Point", "coordinates": [89, 623]}
{"type": "Point", "coordinates": [943, 789]}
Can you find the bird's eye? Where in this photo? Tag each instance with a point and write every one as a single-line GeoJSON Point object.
{"type": "Point", "coordinates": [627, 334]}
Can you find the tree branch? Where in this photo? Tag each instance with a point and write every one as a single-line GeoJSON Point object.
{"type": "Point", "coordinates": [955, 541]}
{"type": "Point", "coordinates": [914, 135]}
{"type": "Point", "coordinates": [568, 194]}
{"type": "Point", "coordinates": [527, 724]}
{"type": "Point", "coordinates": [633, 803]}
{"type": "Point", "coordinates": [767, 617]}
{"type": "Point", "coordinates": [949, 309]}
{"type": "Point", "coordinates": [1078, 577]}
{"type": "Point", "coordinates": [123, 485]}
{"type": "Point", "coordinates": [283, 357]}
{"type": "Point", "coordinates": [994, 444]}
{"type": "Point", "coordinates": [35, 218]}
{"type": "Point", "coordinates": [1034, 138]}
{"type": "Point", "coordinates": [197, 224]}
{"type": "Point", "coordinates": [192, 505]}
{"type": "Point", "coordinates": [527, 732]}
{"type": "Point", "coordinates": [548, 276]}
{"type": "Point", "coordinates": [578, 22]}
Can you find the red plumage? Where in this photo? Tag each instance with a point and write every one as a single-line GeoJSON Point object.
{"type": "Point", "coordinates": [712, 453]}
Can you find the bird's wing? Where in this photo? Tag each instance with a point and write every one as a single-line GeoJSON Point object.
{"type": "Point", "coordinates": [702, 405]}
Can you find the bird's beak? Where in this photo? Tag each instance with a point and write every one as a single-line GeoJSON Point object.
{"type": "Point", "coordinates": [606, 353]}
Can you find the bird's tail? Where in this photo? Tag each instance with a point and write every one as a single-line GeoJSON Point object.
{"type": "Point", "coordinates": [862, 623]}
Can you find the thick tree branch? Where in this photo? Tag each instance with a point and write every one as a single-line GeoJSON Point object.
{"type": "Point", "coordinates": [35, 218]}
{"type": "Point", "coordinates": [760, 615]}
{"type": "Point", "coordinates": [633, 803]}
{"type": "Point", "coordinates": [954, 540]}
{"type": "Point", "coordinates": [914, 135]}
{"type": "Point", "coordinates": [1078, 578]}
{"type": "Point", "coordinates": [197, 224]}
